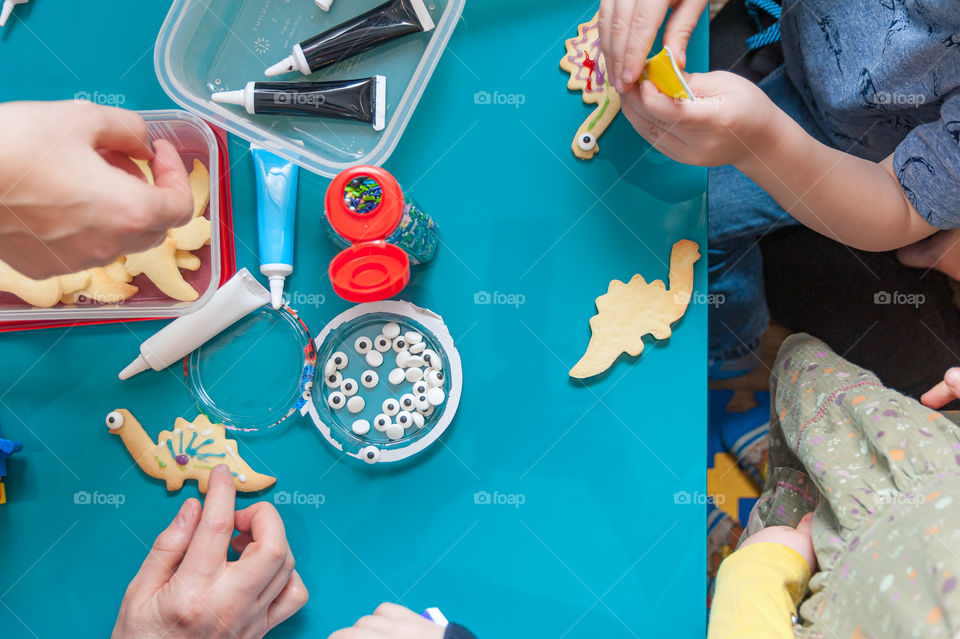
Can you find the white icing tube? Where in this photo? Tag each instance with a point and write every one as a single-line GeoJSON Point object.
{"type": "Point", "coordinates": [235, 299]}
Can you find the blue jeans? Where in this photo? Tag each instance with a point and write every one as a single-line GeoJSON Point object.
{"type": "Point", "coordinates": [740, 215]}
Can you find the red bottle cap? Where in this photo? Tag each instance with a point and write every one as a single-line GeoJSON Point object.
{"type": "Point", "coordinates": [371, 269]}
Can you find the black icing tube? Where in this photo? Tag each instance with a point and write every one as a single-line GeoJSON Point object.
{"type": "Point", "coordinates": [362, 100]}
{"type": "Point", "coordinates": [375, 27]}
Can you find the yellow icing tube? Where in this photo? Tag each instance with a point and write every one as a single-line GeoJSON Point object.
{"type": "Point", "coordinates": [663, 71]}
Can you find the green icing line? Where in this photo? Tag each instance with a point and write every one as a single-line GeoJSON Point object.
{"type": "Point", "coordinates": [162, 465]}
{"type": "Point", "coordinates": [603, 110]}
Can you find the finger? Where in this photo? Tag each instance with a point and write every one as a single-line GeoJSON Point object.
{"type": "Point", "coordinates": [120, 130]}
{"type": "Point", "coordinates": [619, 33]}
{"type": "Point", "coordinates": [605, 28]}
{"type": "Point", "coordinates": [805, 525]}
{"type": "Point", "coordinates": [660, 138]}
{"type": "Point", "coordinates": [171, 199]}
{"type": "Point", "coordinates": [644, 25]}
{"type": "Point", "coordinates": [356, 633]}
{"type": "Point", "coordinates": [273, 589]}
{"type": "Point", "coordinates": [292, 598]}
{"type": "Point", "coordinates": [635, 100]}
{"type": "Point", "coordinates": [208, 549]}
{"type": "Point", "coordinates": [944, 392]}
{"type": "Point", "coordinates": [169, 548]}
{"type": "Point", "coordinates": [659, 106]}
{"type": "Point", "coordinates": [680, 27]}
{"type": "Point", "coordinates": [394, 611]}
{"type": "Point", "coordinates": [123, 162]}
{"type": "Point", "coordinates": [268, 550]}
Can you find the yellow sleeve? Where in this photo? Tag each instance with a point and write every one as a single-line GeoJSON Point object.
{"type": "Point", "coordinates": [758, 589]}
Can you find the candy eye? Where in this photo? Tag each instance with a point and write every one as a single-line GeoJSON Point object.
{"type": "Point", "coordinates": [432, 360]}
{"type": "Point", "coordinates": [370, 454]}
{"type": "Point", "coordinates": [336, 400]}
{"type": "Point", "coordinates": [418, 420]}
{"type": "Point", "coordinates": [382, 344]}
{"type": "Point", "coordinates": [407, 402]}
{"type": "Point", "coordinates": [413, 337]}
{"type": "Point", "coordinates": [334, 379]}
{"type": "Point", "coordinates": [361, 427]}
{"type": "Point", "coordinates": [374, 358]}
{"type": "Point", "coordinates": [391, 330]}
{"type": "Point", "coordinates": [422, 403]}
{"type": "Point", "coordinates": [391, 406]}
{"type": "Point", "coordinates": [395, 431]}
{"type": "Point", "coordinates": [355, 404]}
{"type": "Point", "coordinates": [329, 368]}
{"type": "Point", "coordinates": [587, 142]}
{"type": "Point", "coordinates": [417, 347]}
{"type": "Point", "coordinates": [369, 379]}
{"type": "Point", "coordinates": [425, 412]}
{"type": "Point", "coordinates": [405, 419]}
{"type": "Point", "coordinates": [380, 422]}
{"type": "Point", "coordinates": [414, 374]}
{"type": "Point", "coordinates": [363, 345]}
{"type": "Point", "coordinates": [436, 396]}
{"type": "Point", "coordinates": [349, 387]}
{"type": "Point", "coordinates": [399, 344]}
{"type": "Point", "coordinates": [396, 376]}
{"type": "Point", "coordinates": [403, 359]}
{"type": "Point", "coordinates": [114, 420]}
{"type": "Point", "coordinates": [339, 360]}
{"type": "Point", "coordinates": [434, 378]}
{"type": "Point", "coordinates": [420, 388]}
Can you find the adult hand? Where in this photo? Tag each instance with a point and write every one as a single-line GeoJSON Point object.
{"type": "Point", "coordinates": [799, 539]}
{"type": "Point", "coordinates": [390, 621]}
{"type": "Point", "coordinates": [186, 588]}
{"type": "Point", "coordinates": [67, 202]}
{"type": "Point", "coordinates": [944, 392]}
{"type": "Point", "coordinates": [629, 27]}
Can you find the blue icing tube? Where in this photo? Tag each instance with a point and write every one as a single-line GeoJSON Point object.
{"type": "Point", "coordinates": [276, 217]}
{"type": "Point", "coordinates": [434, 615]}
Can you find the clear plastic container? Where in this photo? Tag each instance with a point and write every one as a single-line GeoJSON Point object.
{"type": "Point", "coordinates": [195, 141]}
{"type": "Point", "coordinates": [206, 46]}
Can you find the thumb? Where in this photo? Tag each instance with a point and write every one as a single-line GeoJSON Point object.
{"type": "Point", "coordinates": [680, 27]}
{"type": "Point", "coordinates": [944, 392]}
{"type": "Point", "coordinates": [169, 548]}
{"type": "Point", "coordinates": [805, 527]}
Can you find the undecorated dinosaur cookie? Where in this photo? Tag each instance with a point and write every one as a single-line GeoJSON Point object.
{"type": "Point", "coordinates": [99, 289]}
{"type": "Point", "coordinates": [41, 293]}
{"type": "Point", "coordinates": [631, 310]}
{"type": "Point", "coordinates": [189, 451]}
{"type": "Point", "coordinates": [160, 265]}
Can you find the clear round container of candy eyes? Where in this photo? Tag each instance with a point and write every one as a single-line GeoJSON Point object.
{"type": "Point", "coordinates": [388, 381]}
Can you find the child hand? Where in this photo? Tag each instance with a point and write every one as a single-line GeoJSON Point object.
{"type": "Point", "coordinates": [628, 28]}
{"type": "Point", "coordinates": [799, 539]}
{"type": "Point", "coordinates": [731, 116]}
{"type": "Point", "coordinates": [187, 588]}
{"type": "Point", "coordinates": [390, 621]}
{"type": "Point", "coordinates": [944, 392]}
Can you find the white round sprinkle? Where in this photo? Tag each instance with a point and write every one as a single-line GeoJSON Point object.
{"type": "Point", "coordinates": [426, 413]}
{"type": "Point", "coordinates": [421, 402]}
{"type": "Point", "coordinates": [349, 387]}
{"type": "Point", "coordinates": [433, 378]}
{"type": "Point", "coordinates": [432, 359]}
{"type": "Point", "coordinates": [381, 421]}
{"type": "Point", "coordinates": [391, 406]}
{"type": "Point", "coordinates": [405, 419]}
{"type": "Point", "coordinates": [374, 358]}
{"type": "Point", "coordinates": [414, 361]}
{"type": "Point", "coordinates": [418, 347]}
{"type": "Point", "coordinates": [420, 388]}
{"type": "Point", "coordinates": [369, 379]}
{"type": "Point", "coordinates": [402, 358]}
{"type": "Point", "coordinates": [400, 344]}
{"type": "Point", "coordinates": [333, 380]}
{"type": "Point", "coordinates": [418, 420]}
{"type": "Point", "coordinates": [414, 374]}
{"type": "Point", "coordinates": [395, 431]}
{"type": "Point", "coordinates": [413, 337]}
{"type": "Point", "coordinates": [408, 402]}
{"type": "Point", "coordinates": [340, 360]}
{"type": "Point", "coordinates": [396, 376]}
{"type": "Point", "coordinates": [391, 330]}
{"type": "Point", "coordinates": [370, 454]}
{"type": "Point", "coordinates": [382, 344]}
{"type": "Point", "coordinates": [336, 400]}
{"type": "Point", "coordinates": [329, 368]}
{"type": "Point", "coordinates": [436, 396]}
{"type": "Point", "coordinates": [361, 427]}
{"type": "Point", "coordinates": [363, 345]}
{"type": "Point", "coordinates": [355, 404]}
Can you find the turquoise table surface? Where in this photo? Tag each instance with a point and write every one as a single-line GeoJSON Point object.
{"type": "Point", "coordinates": [603, 535]}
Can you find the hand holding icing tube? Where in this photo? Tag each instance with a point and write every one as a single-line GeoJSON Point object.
{"type": "Point", "coordinates": [362, 100]}
{"type": "Point", "coordinates": [235, 299]}
{"type": "Point", "coordinates": [276, 217]}
{"type": "Point", "coordinates": [378, 26]}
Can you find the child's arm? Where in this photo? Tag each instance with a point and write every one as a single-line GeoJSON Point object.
{"type": "Point", "coordinates": [854, 201]}
{"type": "Point", "coordinates": [390, 621]}
{"type": "Point", "coordinates": [760, 585]}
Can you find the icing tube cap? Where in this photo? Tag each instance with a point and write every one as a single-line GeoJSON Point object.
{"type": "Point", "coordinates": [276, 291]}
{"type": "Point", "coordinates": [135, 367]}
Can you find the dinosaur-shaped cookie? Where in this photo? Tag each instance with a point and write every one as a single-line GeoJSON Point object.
{"type": "Point", "coordinates": [631, 310]}
{"type": "Point", "coordinates": [189, 451]}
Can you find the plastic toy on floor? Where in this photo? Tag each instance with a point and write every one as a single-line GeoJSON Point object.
{"type": "Point", "coordinates": [7, 448]}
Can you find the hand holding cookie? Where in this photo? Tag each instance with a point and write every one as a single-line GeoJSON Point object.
{"type": "Point", "coordinates": [64, 206]}
{"type": "Point", "coordinates": [187, 588]}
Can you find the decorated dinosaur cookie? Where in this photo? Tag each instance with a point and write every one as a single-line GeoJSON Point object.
{"type": "Point", "coordinates": [631, 310]}
{"type": "Point", "coordinates": [189, 451]}
{"type": "Point", "coordinates": [588, 73]}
